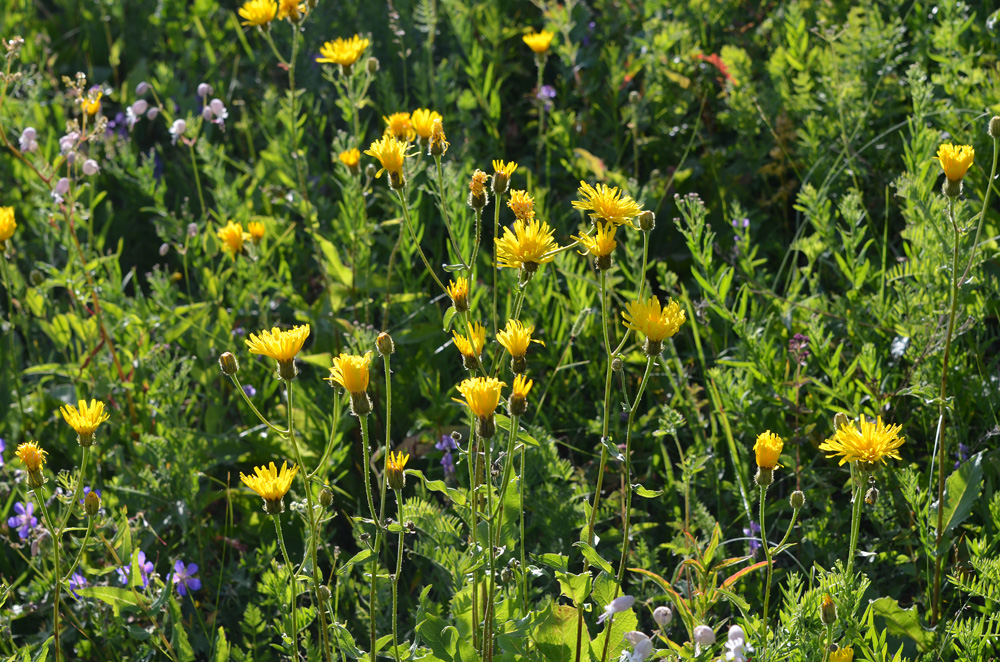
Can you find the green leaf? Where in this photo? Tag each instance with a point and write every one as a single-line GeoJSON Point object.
{"type": "Point", "coordinates": [345, 642]}
{"type": "Point", "coordinates": [644, 493]}
{"type": "Point", "coordinates": [114, 596]}
{"type": "Point", "coordinates": [613, 451]}
{"type": "Point", "coordinates": [962, 491]}
{"type": "Point", "coordinates": [556, 635]}
{"type": "Point", "coordinates": [360, 557]}
{"type": "Point", "coordinates": [901, 621]}
{"type": "Point", "coordinates": [222, 647]}
{"type": "Point", "coordinates": [557, 561]}
{"type": "Point", "coordinates": [591, 555]}
{"type": "Point", "coordinates": [446, 320]}
{"type": "Point", "coordinates": [179, 635]}
{"type": "Point", "coordinates": [575, 587]}
{"type": "Point", "coordinates": [440, 637]}
{"type": "Point", "coordinates": [439, 486]}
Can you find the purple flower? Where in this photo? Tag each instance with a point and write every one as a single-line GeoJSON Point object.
{"type": "Point", "coordinates": [3, 447]}
{"type": "Point", "coordinates": [23, 521]}
{"type": "Point", "coordinates": [184, 577]}
{"type": "Point", "coordinates": [616, 606]}
{"type": "Point", "coordinates": [963, 453]}
{"type": "Point", "coordinates": [750, 533]}
{"type": "Point", "coordinates": [249, 390]}
{"type": "Point", "coordinates": [447, 444]}
{"type": "Point", "coordinates": [798, 347]}
{"type": "Point", "coordinates": [145, 569]}
{"type": "Point", "coordinates": [86, 491]}
{"type": "Point", "coordinates": [545, 94]}
{"type": "Point", "coordinates": [75, 582]}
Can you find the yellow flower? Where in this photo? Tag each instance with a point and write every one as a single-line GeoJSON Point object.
{"type": "Point", "coordinates": [394, 469]}
{"type": "Point", "coordinates": [7, 224]}
{"type": "Point", "coordinates": [351, 372]}
{"type": "Point", "coordinates": [32, 455]}
{"type": "Point", "coordinates": [502, 173]}
{"type": "Point", "coordinates": [91, 104]}
{"type": "Point", "coordinates": [768, 449]}
{"type": "Point", "coordinates": [608, 204]}
{"type": "Point", "coordinates": [459, 293]}
{"type": "Point", "coordinates": [518, 401]}
{"type": "Point", "coordinates": [401, 126]}
{"type": "Point", "coordinates": [350, 158]}
{"type": "Point", "coordinates": [291, 9]}
{"type": "Point", "coordinates": [602, 243]}
{"type": "Point", "coordinates": [390, 153]}
{"type": "Point", "coordinates": [522, 204]}
{"type": "Point", "coordinates": [955, 160]}
{"type": "Point", "coordinates": [344, 52]}
{"type": "Point", "coordinates": [482, 395]}
{"type": "Point", "coordinates": [538, 41]}
{"type": "Point", "coordinates": [282, 346]}
{"type": "Point", "coordinates": [272, 485]}
{"type": "Point", "coordinates": [423, 121]}
{"type": "Point", "coordinates": [256, 231]}
{"type": "Point", "coordinates": [842, 655]}
{"type": "Point", "coordinates": [654, 322]}
{"type": "Point", "coordinates": [529, 245]}
{"type": "Point", "coordinates": [233, 236]}
{"type": "Point", "coordinates": [516, 338]}
{"type": "Point", "coordinates": [478, 183]}
{"type": "Point", "coordinates": [869, 443]}
{"type": "Point", "coordinates": [471, 347]}
{"type": "Point", "coordinates": [439, 142]}
{"type": "Point", "coordinates": [258, 12]}
{"type": "Point", "coordinates": [85, 419]}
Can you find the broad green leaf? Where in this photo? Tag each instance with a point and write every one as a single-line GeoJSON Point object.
{"type": "Point", "coordinates": [899, 621]}
{"type": "Point", "coordinates": [360, 557]}
{"type": "Point", "coordinates": [962, 490]}
{"type": "Point", "coordinates": [114, 596]}
{"type": "Point", "coordinates": [439, 486]}
{"type": "Point", "coordinates": [576, 587]}
{"type": "Point", "coordinates": [646, 493]}
{"type": "Point", "coordinates": [591, 555]}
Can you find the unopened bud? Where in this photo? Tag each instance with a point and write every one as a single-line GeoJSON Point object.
{"type": "Point", "coordinates": [827, 611]}
{"type": "Point", "coordinates": [634, 97]}
{"type": "Point", "coordinates": [616, 364]}
{"type": "Point", "coordinates": [204, 89]}
{"type": "Point", "coordinates": [994, 129]}
{"type": "Point", "coordinates": [326, 497]}
{"type": "Point", "coordinates": [324, 593]}
{"type": "Point", "coordinates": [371, 171]}
{"type": "Point", "coordinates": [662, 615]}
{"type": "Point", "coordinates": [764, 476]}
{"type": "Point", "coordinates": [92, 503]}
{"type": "Point", "coordinates": [36, 277]}
{"type": "Point", "coordinates": [840, 420]}
{"type": "Point", "coordinates": [871, 496]}
{"type": "Point", "coordinates": [153, 113]}
{"type": "Point", "coordinates": [486, 427]}
{"type": "Point", "coordinates": [142, 88]}
{"type": "Point", "coordinates": [372, 65]}
{"type": "Point", "coordinates": [647, 221]}
{"type": "Point", "coordinates": [384, 344]}
{"type": "Point", "coordinates": [164, 249]}
{"type": "Point", "coordinates": [192, 230]}
{"type": "Point", "coordinates": [229, 364]}
{"type": "Point", "coordinates": [206, 114]}
{"type": "Point", "coordinates": [797, 499]}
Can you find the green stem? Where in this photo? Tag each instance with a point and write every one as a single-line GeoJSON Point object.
{"type": "Point", "coordinates": [496, 235]}
{"type": "Point", "coordinates": [292, 124]}
{"type": "Point", "coordinates": [57, 585]}
{"type": "Point", "coordinates": [372, 595]}
{"type": "Point", "coordinates": [855, 517]}
{"type": "Point", "coordinates": [363, 420]}
{"type": "Point", "coordinates": [829, 640]}
{"type": "Point", "coordinates": [444, 214]}
{"type": "Point", "coordinates": [770, 570]}
{"type": "Point", "coordinates": [509, 461]}
{"type": "Point", "coordinates": [489, 615]}
{"type": "Point", "coordinates": [14, 378]}
{"type": "Point", "coordinates": [197, 181]}
{"type": "Point", "coordinates": [475, 248]}
{"type": "Point", "coordinates": [522, 487]}
{"type": "Point", "coordinates": [474, 497]}
{"type": "Point", "coordinates": [79, 554]}
{"type": "Point", "coordinates": [239, 389]}
{"type": "Point", "coordinates": [292, 584]}
{"type": "Point", "coordinates": [395, 579]}
{"type": "Point", "coordinates": [409, 226]}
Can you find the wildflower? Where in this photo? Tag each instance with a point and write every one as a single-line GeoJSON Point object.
{"type": "Point", "coordinates": [647, 221]}
{"type": "Point", "coordinates": [869, 443]}
{"type": "Point", "coordinates": [608, 204]}
{"type": "Point", "coordinates": [184, 578]}
{"type": "Point", "coordinates": [423, 121]}
{"type": "Point", "coordinates": [85, 420]}
{"type": "Point", "coordinates": [27, 141]}
{"type": "Point", "coordinates": [91, 167]}
{"type": "Point", "coordinates": [91, 104]}
{"type": "Point", "coordinates": [515, 339]}
{"type": "Point", "coordinates": [751, 532]}
{"type": "Point", "coordinates": [3, 447]}
{"type": "Point", "coordinates": [77, 581]}
{"type": "Point", "coordinates": [344, 52]}
{"type": "Point", "coordinates": [384, 344]}
{"type": "Point", "coordinates": [654, 322]}
{"type": "Point", "coordinates": [145, 570]}
{"type": "Point", "coordinates": [291, 10]}
{"type": "Point", "coordinates": [955, 160]}
{"type": "Point", "coordinates": [152, 113]}
{"type": "Point", "coordinates": [616, 606]}
{"type": "Point", "coordinates": [7, 225]}
{"type": "Point", "coordinates": [502, 173]}
{"type": "Point", "coordinates": [249, 390]}
{"type": "Point", "coordinates": [477, 190]}
{"type": "Point", "coordinates": [282, 346]}
{"type": "Point", "coordinates": [178, 128]}
{"type": "Point", "coordinates": [827, 610]}
{"type": "Point", "coordinates": [23, 520]}
{"type": "Point", "coordinates": [703, 636]}
{"type": "Point", "coordinates": [61, 188]}
{"type": "Point", "coordinates": [33, 458]}
{"type": "Point", "coordinates": [401, 126]}
{"type": "Point", "coordinates": [142, 88]}
{"type": "Point", "coordinates": [642, 647]}
{"type": "Point", "coordinates": [271, 485]}
{"type": "Point", "coordinates": [351, 158]}
{"type": "Point", "coordinates": [204, 89]}
{"type": "Point", "coordinates": [522, 204]}
{"type": "Point", "coordinates": [471, 346]}
{"type": "Point", "coordinates": [68, 142]}
{"type": "Point", "coordinates": [517, 405]}
{"type": "Point", "coordinates": [737, 646]}
{"type": "Point", "coordinates": [439, 142]}
{"type": "Point", "coordinates": [842, 655]}
{"type": "Point", "coordinates": [459, 293]}
{"type": "Point", "coordinates": [219, 110]}
{"type": "Point", "coordinates": [447, 444]}
{"type": "Point", "coordinates": [394, 470]}
{"type": "Point", "coordinates": [258, 13]}
{"type": "Point", "coordinates": [538, 42]}
{"type": "Point", "coordinates": [482, 395]}
{"type": "Point", "coordinates": [662, 615]}
{"type": "Point", "coordinates": [390, 153]}
{"type": "Point", "coordinates": [91, 501]}
{"type": "Point", "coordinates": [545, 94]}
{"type": "Point", "coordinates": [256, 231]}
{"type": "Point", "coordinates": [768, 451]}
{"type": "Point", "coordinates": [601, 244]}
{"type": "Point", "coordinates": [232, 236]}
{"type": "Point", "coordinates": [529, 245]}
{"type": "Point", "coordinates": [716, 61]}
{"type": "Point", "coordinates": [798, 347]}
{"type": "Point", "coordinates": [351, 372]}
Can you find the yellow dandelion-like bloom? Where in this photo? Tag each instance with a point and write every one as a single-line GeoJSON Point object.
{"type": "Point", "coordinates": [256, 231]}
{"type": "Point", "coordinates": [522, 204]}
{"type": "Point", "coordinates": [439, 141]}
{"type": "Point", "coordinates": [344, 52]}
{"type": "Point", "coordinates": [459, 293]}
{"type": "Point", "coordinates": [258, 13]}
{"type": "Point", "coordinates": [478, 183]}
{"type": "Point", "coordinates": [271, 484]}
{"type": "Point", "coordinates": [350, 157]}
{"type": "Point", "coordinates": [516, 338]}
{"type": "Point", "coordinates": [395, 464]}
{"type": "Point", "coordinates": [539, 42]}
{"type": "Point", "coordinates": [32, 455]}
{"type": "Point", "coordinates": [282, 346]}
{"type": "Point", "coordinates": [7, 224]}
{"type": "Point", "coordinates": [602, 243]}
{"type": "Point", "coordinates": [91, 104]}
{"type": "Point", "coordinates": [955, 160]}
{"type": "Point", "coordinates": [768, 449]}
{"type": "Point", "coordinates": [291, 9]}
{"type": "Point", "coordinates": [351, 372]}
{"type": "Point", "coordinates": [482, 395]}
{"type": "Point", "coordinates": [390, 153]}
{"type": "Point", "coordinates": [607, 204]}
{"type": "Point", "coordinates": [529, 245]}
{"type": "Point", "coordinates": [400, 125]}
{"type": "Point", "coordinates": [422, 121]}
{"type": "Point", "coordinates": [85, 418]}
{"type": "Point", "coordinates": [233, 236]}
{"type": "Point", "coordinates": [505, 170]}
{"type": "Point", "coordinates": [654, 322]}
{"type": "Point", "coordinates": [522, 385]}
{"type": "Point", "coordinates": [471, 346]}
{"type": "Point", "coordinates": [869, 442]}
{"type": "Point", "coordinates": [842, 655]}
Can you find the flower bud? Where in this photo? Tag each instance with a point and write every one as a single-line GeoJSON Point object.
{"type": "Point", "coordinates": [616, 364]}
{"type": "Point", "coordinates": [662, 615]}
{"type": "Point", "coordinates": [871, 496]}
{"type": "Point", "coordinates": [764, 476]}
{"type": "Point", "coordinates": [324, 593]}
{"type": "Point", "coordinates": [634, 97]}
{"type": "Point", "coordinates": [736, 632]}
{"type": "Point", "coordinates": [840, 420]}
{"type": "Point", "coordinates": [90, 167]}
{"type": "Point", "coordinates": [994, 129]}
{"type": "Point", "coordinates": [36, 277]}
{"type": "Point", "coordinates": [142, 88]}
{"type": "Point", "coordinates": [370, 171]}
{"type": "Point", "coordinates": [62, 186]}
{"type": "Point", "coordinates": [647, 221]}
{"type": "Point", "coordinates": [164, 249]}
{"type": "Point", "coordinates": [797, 499]}
{"type": "Point", "coordinates": [206, 113]}
{"type": "Point", "coordinates": [192, 230]}
{"type": "Point", "coordinates": [204, 89]}
{"type": "Point", "coordinates": [827, 611]}
{"type": "Point", "coordinates": [153, 113]}
{"type": "Point", "coordinates": [229, 364]}
{"type": "Point", "coordinates": [326, 497]}
{"type": "Point", "coordinates": [372, 65]}
{"type": "Point", "coordinates": [951, 189]}
{"type": "Point", "coordinates": [140, 107]}
{"type": "Point", "coordinates": [384, 344]}
{"type": "Point", "coordinates": [486, 427]}
{"type": "Point", "coordinates": [704, 635]}
{"type": "Point", "coordinates": [92, 503]}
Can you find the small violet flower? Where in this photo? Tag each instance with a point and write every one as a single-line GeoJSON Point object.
{"type": "Point", "coordinates": [86, 491]}
{"type": "Point", "coordinates": [23, 521]}
{"type": "Point", "coordinates": [3, 447]}
{"type": "Point", "coordinates": [75, 582]}
{"type": "Point", "coordinates": [184, 577]}
{"type": "Point", "coordinates": [447, 444]}
{"type": "Point", "coordinates": [750, 533]}
{"type": "Point", "coordinates": [249, 390]}
{"type": "Point", "coordinates": [145, 570]}
{"type": "Point", "coordinates": [177, 130]}
{"type": "Point", "coordinates": [27, 140]}
{"type": "Point", "coordinates": [616, 606]}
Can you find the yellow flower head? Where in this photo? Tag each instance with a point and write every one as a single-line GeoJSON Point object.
{"type": "Point", "coordinates": [459, 293]}
{"type": "Point", "coordinates": [529, 245]}
{"type": "Point", "coordinates": [482, 395]}
{"type": "Point", "coordinates": [350, 157]}
{"type": "Point", "coordinates": [516, 338]}
{"type": "Point", "coordinates": [439, 142]}
{"type": "Point", "coordinates": [390, 153]}
{"type": "Point", "coordinates": [472, 346]}
{"type": "Point", "coordinates": [522, 204]}
{"type": "Point", "coordinates": [32, 455]}
{"type": "Point", "coordinates": [258, 13]}
{"type": "Point", "coordinates": [344, 52]}
{"type": "Point", "coordinates": [7, 224]}
{"type": "Point", "coordinates": [423, 121]}
{"type": "Point", "coordinates": [768, 449]}
{"type": "Point", "coordinates": [91, 104]}
{"type": "Point", "coordinates": [400, 125]}
{"type": "Point", "coordinates": [600, 244]}
{"type": "Point", "coordinates": [291, 9]}
{"type": "Point", "coordinates": [522, 385]}
{"type": "Point", "coordinates": [256, 231]}
{"type": "Point", "coordinates": [395, 464]}
{"type": "Point", "coordinates": [539, 42]}
{"type": "Point", "coordinates": [502, 173]}
{"type": "Point", "coordinates": [654, 322]}
{"type": "Point", "coordinates": [869, 442]}
{"type": "Point", "coordinates": [955, 160]}
{"type": "Point", "coordinates": [232, 236]}
{"type": "Point", "coordinates": [85, 419]}
{"type": "Point", "coordinates": [607, 204]}
{"type": "Point", "coordinates": [282, 346]}
{"type": "Point", "coordinates": [351, 372]}
{"type": "Point", "coordinates": [842, 655]}
{"type": "Point", "coordinates": [272, 485]}
{"type": "Point", "coordinates": [478, 183]}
